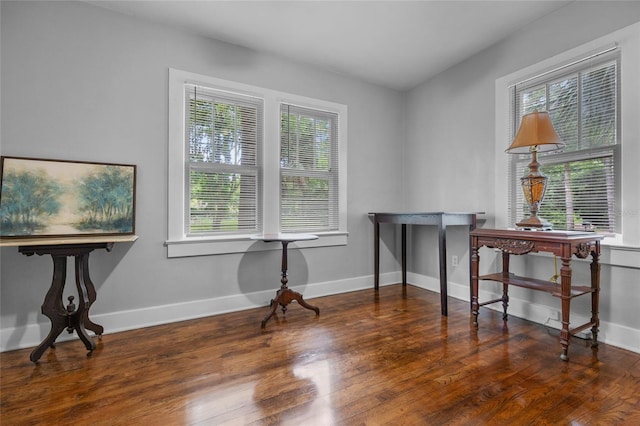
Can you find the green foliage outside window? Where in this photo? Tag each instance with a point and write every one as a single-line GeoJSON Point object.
{"type": "Point", "coordinates": [305, 159]}
{"type": "Point", "coordinates": [222, 137]}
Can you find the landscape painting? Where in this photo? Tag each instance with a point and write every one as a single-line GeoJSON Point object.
{"type": "Point", "coordinates": [56, 198]}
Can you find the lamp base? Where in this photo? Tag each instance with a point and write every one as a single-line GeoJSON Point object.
{"type": "Point", "coordinates": [535, 222]}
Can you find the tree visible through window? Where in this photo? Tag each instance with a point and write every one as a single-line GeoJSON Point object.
{"type": "Point", "coordinates": [224, 135]}
{"type": "Point", "coordinates": [308, 169]}
{"type": "Point", "coordinates": [582, 189]}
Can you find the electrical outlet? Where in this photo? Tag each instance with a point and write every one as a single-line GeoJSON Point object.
{"type": "Point", "coordinates": [554, 315]}
{"type": "Point", "coordinates": [454, 260]}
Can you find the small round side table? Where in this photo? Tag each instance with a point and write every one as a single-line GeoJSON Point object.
{"type": "Point", "coordinates": [285, 295]}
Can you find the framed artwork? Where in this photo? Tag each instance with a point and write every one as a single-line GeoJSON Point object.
{"type": "Point", "coordinates": [57, 198]}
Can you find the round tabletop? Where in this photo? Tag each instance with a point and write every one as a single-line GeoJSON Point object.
{"type": "Point", "coordinates": [282, 236]}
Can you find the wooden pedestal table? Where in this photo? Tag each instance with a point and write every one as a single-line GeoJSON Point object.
{"type": "Point", "coordinates": [285, 295]}
{"type": "Point", "coordinates": [73, 317]}
{"type": "Point", "coordinates": [564, 244]}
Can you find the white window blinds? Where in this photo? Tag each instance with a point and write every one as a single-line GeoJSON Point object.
{"type": "Point", "coordinates": [583, 190]}
{"type": "Point", "coordinates": [224, 134]}
{"type": "Point", "coordinates": [308, 169]}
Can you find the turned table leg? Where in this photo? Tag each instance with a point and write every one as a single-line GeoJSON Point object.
{"type": "Point", "coordinates": [505, 285]}
{"type": "Point", "coordinates": [475, 260]}
{"type": "Point", "coordinates": [565, 276]}
{"type": "Point", "coordinates": [595, 293]}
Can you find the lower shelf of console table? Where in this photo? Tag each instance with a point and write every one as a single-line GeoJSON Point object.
{"type": "Point", "coordinates": [541, 285]}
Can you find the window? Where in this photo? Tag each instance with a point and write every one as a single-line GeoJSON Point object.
{"type": "Point", "coordinates": [602, 152]}
{"type": "Point", "coordinates": [583, 178]}
{"type": "Point", "coordinates": [223, 138]}
{"type": "Point", "coordinates": [308, 169]}
{"type": "Point", "coordinates": [245, 160]}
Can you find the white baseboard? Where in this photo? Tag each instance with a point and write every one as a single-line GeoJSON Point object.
{"type": "Point", "coordinates": [30, 335]}
{"type": "Point", "coordinates": [609, 333]}
{"type": "Point", "coordinates": [25, 336]}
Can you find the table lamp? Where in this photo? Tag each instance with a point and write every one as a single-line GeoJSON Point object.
{"type": "Point", "coordinates": [536, 134]}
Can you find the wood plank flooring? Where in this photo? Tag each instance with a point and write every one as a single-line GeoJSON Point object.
{"type": "Point", "coordinates": [368, 359]}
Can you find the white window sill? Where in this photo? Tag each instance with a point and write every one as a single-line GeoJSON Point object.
{"type": "Point", "coordinates": [615, 253]}
{"type": "Point", "coordinates": [205, 246]}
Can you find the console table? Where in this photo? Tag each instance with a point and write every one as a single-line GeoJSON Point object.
{"type": "Point", "coordinates": [71, 317]}
{"type": "Point", "coordinates": [439, 219]}
{"type": "Point", "coordinates": [285, 295]}
{"type": "Point", "coordinates": [564, 244]}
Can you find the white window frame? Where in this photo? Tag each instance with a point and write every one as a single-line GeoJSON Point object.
{"type": "Point", "coordinates": [307, 171]}
{"type": "Point", "coordinates": [178, 243]}
{"type": "Point", "coordinates": [627, 41]}
{"type": "Point", "coordinates": [248, 170]}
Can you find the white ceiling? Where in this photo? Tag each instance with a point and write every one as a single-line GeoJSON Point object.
{"type": "Point", "coordinates": [397, 44]}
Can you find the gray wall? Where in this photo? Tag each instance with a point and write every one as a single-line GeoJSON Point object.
{"type": "Point", "coordinates": [82, 83]}
{"type": "Point", "coordinates": [450, 145]}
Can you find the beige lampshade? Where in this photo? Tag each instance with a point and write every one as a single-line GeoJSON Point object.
{"type": "Point", "coordinates": [537, 131]}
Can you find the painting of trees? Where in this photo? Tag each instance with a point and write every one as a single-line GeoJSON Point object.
{"type": "Point", "coordinates": [106, 200]}
{"type": "Point", "coordinates": [28, 198]}
{"type": "Point", "coordinates": [62, 198]}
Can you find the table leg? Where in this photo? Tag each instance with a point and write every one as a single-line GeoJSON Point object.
{"type": "Point", "coordinates": [79, 320]}
{"type": "Point", "coordinates": [84, 283]}
{"type": "Point", "coordinates": [595, 293]}
{"type": "Point", "coordinates": [475, 261]}
{"type": "Point", "coordinates": [565, 276]}
{"type": "Point", "coordinates": [505, 285]}
{"type": "Point", "coordinates": [472, 226]}
{"type": "Point", "coordinates": [53, 308]}
{"type": "Point", "coordinates": [442, 254]}
{"type": "Point", "coordinates": [404, 254]}
{"type": "Point", "coordinates": [376, 254]}
{"type": "Point", "coordinates": [274, 306]}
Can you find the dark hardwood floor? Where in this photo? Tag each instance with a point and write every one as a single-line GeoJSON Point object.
{"type": "Point", "coordinates": [368, 359]}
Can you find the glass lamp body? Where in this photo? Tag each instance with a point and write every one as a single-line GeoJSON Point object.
{"type": "Point", "coordinates": [533, 187]}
